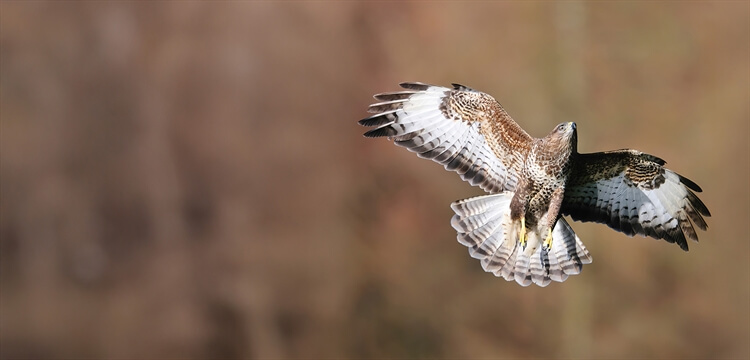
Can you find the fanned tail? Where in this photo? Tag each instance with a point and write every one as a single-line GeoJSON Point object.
{"type": "Point", "coordinates": [485, 227]}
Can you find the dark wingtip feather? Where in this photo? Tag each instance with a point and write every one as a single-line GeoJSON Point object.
{"type": "Point", "coordinates": [386, 106]}
{"type": "Point", "coordinates": [376, 120]}
{"type": "Point", "coordinates": [677, 236]}
{"type": "Point", "coordinates": [394, 95]}
{"type": "Point", "coordinates": [690, 184]}
{"type": "Point", "coordinates": [380, 132]}
{"type": "Point", "coordinates": [415, 86]}
{"type": "Point", "coordinates": [698, 204]}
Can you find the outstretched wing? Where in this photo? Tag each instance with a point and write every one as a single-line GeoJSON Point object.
{"type": "Point", "coordinates": [465, 130]}
{"type": "Point", "coordinates": [633, 193]}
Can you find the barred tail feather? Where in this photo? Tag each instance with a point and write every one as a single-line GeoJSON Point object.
{"type": "Point", "coordinates": [568, 249]}
{"type": "Point", "coordinates": [484, 226]}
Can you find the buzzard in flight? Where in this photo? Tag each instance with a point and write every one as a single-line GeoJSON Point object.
{"type": "Point", "coordinates": [518, 232]}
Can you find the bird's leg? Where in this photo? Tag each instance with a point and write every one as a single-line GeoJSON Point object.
{"type": "Point", "coordinates": [552, 215]}
{"type": "Point", "coordinates": [522, 235]}
{"type": "Point", "coordinates": [518, 211]}
{"type": "Point", "coordinates": [547, 245]}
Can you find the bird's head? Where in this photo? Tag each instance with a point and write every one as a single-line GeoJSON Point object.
{"type": "Point", "coordinates": [564, 136]}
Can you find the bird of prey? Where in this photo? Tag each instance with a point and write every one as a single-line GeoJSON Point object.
{"type": "Point", "coordinates": [518, 231]}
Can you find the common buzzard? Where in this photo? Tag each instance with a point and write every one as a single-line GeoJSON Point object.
{"type": "Point", "coordinates": [518, 232]}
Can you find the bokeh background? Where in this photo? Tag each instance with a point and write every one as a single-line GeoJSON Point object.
{"type": "Point", "coordinates": [188, 180]}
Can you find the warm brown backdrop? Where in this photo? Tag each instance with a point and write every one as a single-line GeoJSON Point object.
{"type": "Point", "coordinates": [187, 180]}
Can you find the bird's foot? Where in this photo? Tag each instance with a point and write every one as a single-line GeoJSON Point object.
{"type": "Point", "coordinates": [522, 235]}
{"type": "Point", "coordinates": [547, 245]}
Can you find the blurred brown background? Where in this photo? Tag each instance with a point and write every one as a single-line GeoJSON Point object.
{"type": "Point", "coordinates": [187, 180]}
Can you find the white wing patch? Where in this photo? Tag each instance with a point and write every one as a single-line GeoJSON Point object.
{"type": "Point", "coordinates": [414, 120]}
{"type": "Point", "coordinates": [661, 212]}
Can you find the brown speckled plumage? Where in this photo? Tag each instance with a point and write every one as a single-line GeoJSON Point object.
{"type": "Point", "coordinates": [533, 182]}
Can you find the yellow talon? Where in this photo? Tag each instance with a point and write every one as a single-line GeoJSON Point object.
{"type": "Point", "coordinates": [548, 240]}
{"type": "Point", "coordinates": [522, 235]}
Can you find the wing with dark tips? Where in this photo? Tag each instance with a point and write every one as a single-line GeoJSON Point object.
{"type": "Point", "coordinates": [466, 131]}
{"type": "Point", "coordinates": [634, 193]}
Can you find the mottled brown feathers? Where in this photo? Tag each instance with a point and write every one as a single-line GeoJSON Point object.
{"type": "Point", "coordinates": [642, 170]}
{"type": "Point", "coordinates": [465, 104]}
